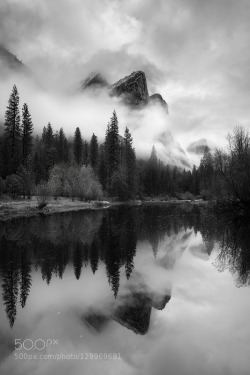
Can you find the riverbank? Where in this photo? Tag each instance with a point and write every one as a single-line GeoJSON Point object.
{"type": "Point", "coordinates": [10, 209]}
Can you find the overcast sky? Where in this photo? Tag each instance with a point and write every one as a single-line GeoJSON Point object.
{"type": "Point", "coordinates": [194, 52]}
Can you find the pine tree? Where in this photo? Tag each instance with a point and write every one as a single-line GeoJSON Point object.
{"type": "Point", "coordinates": [62, 147]}
{"type": "Point", "coordinates": [195, 181]}
{"type": "Point", "coordinates": [130, 163]}
{"type": "Point", "coordinates": [102, 168]}
{"type": "Point", "coordinates": [12, 132]}
{"type": "Point", "coordinates": [85, 153]}
{"type": "Point", "coordinates": [2, 157]}
{"type": "Point", "coordinates": [112, 147]}
{"type": "Point", "coordinates": [26, 132]}
{"type": "Point", "coordinates": [78, 146]}
{"type": "Point", "coordinates": [93, 151]}
{"type": "Point", "coordinates": [206, 170]}
{"type": "Point", "coordinates": [48, 135]}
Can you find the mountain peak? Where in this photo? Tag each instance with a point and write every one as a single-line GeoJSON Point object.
{"type": "Point", "coordinates": [158, 99]}
{"type": "Point", "coordinates": [10, 63]}
{"type": "Point", "coordinates": [133, 89]}
{"type": "Point", "coordinates": [94, 80]}
{"type": "Point", "coordinates": [198, 147]}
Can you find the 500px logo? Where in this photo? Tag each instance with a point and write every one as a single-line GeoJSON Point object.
{"type": "Point", "coordinates": [38, 344]}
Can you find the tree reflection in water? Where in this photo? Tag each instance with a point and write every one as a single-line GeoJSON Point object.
{"type": "Point", "coordinates": [86, 239]}
{"type": "Point", "coordinates": [235, 248]}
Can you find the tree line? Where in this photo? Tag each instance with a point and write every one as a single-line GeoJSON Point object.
{"type": "Point", "coordinates": [50, 164]}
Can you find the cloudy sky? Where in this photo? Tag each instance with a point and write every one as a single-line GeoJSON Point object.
{"type": "Point", "coordinates": [194, 52]}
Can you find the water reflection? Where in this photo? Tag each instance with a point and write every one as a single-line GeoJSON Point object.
{"type": "Point", "coordinates": [86, 239]}
{"type": "Point", "coordinates": [235, 248]}
{"type": "Point", "coordinates": [50, 243]}
{"type": "Point", "coordinates": [93, 279]}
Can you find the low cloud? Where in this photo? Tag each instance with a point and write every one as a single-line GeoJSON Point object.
{"type": "Point", "coordinates": [91, 112]}
{"type": "Point", "coordinates": [195, 53]}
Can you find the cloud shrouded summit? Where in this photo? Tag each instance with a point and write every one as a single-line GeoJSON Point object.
{"type": "Point", "coordinates": [194, 52]}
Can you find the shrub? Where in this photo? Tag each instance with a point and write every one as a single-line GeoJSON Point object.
{"type": "Point", "coordinates": [94, 191]}
{"type": "Point", "coordinates": [43, 194]}
{"type": "Point", "coordinates": [206, 195]}
{"type": "Point", "coordinates": [14, 185]}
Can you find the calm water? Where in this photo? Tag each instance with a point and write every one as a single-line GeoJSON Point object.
{"type": "Point", "coordinates": [157, 290]}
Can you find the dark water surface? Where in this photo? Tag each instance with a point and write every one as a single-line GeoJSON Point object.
{"type": "Point", "coordinates": [129, 290]}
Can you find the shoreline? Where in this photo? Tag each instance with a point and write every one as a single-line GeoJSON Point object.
{"type": "Point", "coordinates": [13, 209]}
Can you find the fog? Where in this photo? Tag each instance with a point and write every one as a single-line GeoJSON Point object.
{"type": "Point", "coordinates": [195, 53]}
{"type": "Point", "coordinates": [91, 112]}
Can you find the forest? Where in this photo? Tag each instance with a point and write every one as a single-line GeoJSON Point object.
{"type": "Point", "coordinates": [50, 164]}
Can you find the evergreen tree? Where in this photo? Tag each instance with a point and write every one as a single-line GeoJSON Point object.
{"type": "Point", "coordinates": [112, 147]}
{"type": "Point", "coordinates": [206, 171]}
{"type": "Point", "coordinates": [62, 147]}
{"type": "Point", "coordinates": [102, 168]}
{"type": "Point", "coordinates": [48, 155]}
{"type": "Point", "coordinates": [93, 151]}
{"type": "Point", "coordinates": [26, 132]}
{"type": "Point", "coordinates": [85, 153]}
{"type": "Point", "coordinates": [26, 174]}
{"type": "Point", "coordinates": [2, 156]}
{"type": "Point", "coordinates": [78, 146]}
{"type": "Point", "coordinates": [12, 133]}
{"type": "Point", "coordinates": [38, 169]}
{"type": "Point", "coordinates": [195, 181]}
{"type": "Point", "coordinates": [130, 163]}
{"type": "Point", "coordinates": [48, 135]}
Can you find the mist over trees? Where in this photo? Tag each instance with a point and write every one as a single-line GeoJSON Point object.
{"type": "Point", "coordinates": [52, 165]}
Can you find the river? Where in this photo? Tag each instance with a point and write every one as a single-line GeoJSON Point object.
{"type": "Point", "coordinates": [152, 289]}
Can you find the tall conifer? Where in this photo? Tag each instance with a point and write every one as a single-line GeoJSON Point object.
{"type": "Point", "coordinates": [94, 151]}
{"type": "Point", "coordinates": [78, 146]}
{"type": "Point", "coordinates": [26, 132]}
{"type": "Point", "coordinates": [112, 146]}
{"type": "Point", "coordinates": [130, 163]}
{"type": "Point", "coordinates": [12, 132]}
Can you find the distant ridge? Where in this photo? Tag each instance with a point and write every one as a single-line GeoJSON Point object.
{"type": "Point", "coordinates": [10, 64]}
{"type": "Point", "coordinates": [132, 89]}
{"type": "Point", "coordinates": [94, 80]}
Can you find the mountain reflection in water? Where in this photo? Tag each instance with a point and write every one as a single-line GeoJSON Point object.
{"type": "Point", "coordinates": [92, 279]}
{"type": "Point", "coordinates": [85, 239]}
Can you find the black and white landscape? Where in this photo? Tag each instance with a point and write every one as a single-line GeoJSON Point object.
{"type": "Point", "coordinates": [124, 187]}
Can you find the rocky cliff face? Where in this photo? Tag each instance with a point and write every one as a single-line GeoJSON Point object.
{"type": "Point", "coordinates": [169, 150]}
{"type": "Point", "coordinates": [95, 81]}
{"type": "Point", "coordinates": [133, 89]}
{"type": "Point", "coordinates": [9, 63]}
{"type": "Point", "coordinates": [198, 147]}
{"type": "Point", "coordinates": [158, 99]}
